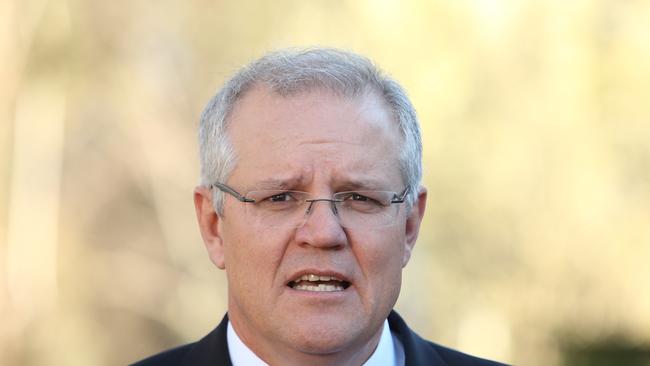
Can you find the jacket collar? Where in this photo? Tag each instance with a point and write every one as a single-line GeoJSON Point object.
{"type": "Point", "coordinates": [417, 351]}
{"type": "Point", "coordinates": [211, 350]}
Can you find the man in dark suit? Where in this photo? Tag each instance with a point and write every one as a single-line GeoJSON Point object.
{"type": "Point", "coordinates": [311, 202]}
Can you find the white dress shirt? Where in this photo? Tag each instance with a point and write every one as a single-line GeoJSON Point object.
{"type": "Point", "coordinates": [389, 351]}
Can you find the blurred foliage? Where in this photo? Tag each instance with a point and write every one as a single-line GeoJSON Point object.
{"type": "Point", "coordinates": [536, 131]}
{"type": "Point", "coordinates": [610, 351]}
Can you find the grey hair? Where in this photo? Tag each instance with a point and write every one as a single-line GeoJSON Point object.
{"type": "Point", "coordinates": [292, 71]}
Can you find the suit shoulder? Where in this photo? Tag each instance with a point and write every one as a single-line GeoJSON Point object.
{"type": "Point", "coordinates": [453, 357]}
{"type": "Point", "coordinates": [171, 357]}
{"type": "Point", "coordinates": [210, 350]}
{"type": "Point", "coordinates": [419, 351]}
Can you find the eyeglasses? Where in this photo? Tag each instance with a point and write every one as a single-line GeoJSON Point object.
{"type": "Point", "coordinates": [354, 209]}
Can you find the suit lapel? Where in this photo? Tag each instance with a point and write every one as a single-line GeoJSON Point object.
{"type": "Point", "coordinates": [417, 351]}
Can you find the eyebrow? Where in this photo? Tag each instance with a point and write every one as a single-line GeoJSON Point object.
{"type": "Point", "coordinates": [345, 184]}
{"type": "Point", "coordinates": [278, 183]}
{"type": "Point", "coordinates": [362, 183]}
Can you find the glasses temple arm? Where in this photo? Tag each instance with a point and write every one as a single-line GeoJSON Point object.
{"type": "Point", "coordinates": [402, 197]}
{"type": "Point", "coordinates": [224, 188]}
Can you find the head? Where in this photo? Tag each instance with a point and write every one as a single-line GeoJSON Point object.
{"type": "Point", "coordinates": [291, 72]}
{"type": "Point", "coordinates": [321, 121]}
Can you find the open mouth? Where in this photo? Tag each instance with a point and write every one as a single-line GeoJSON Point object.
{"type": "Point", "coordinates": [312, 282]}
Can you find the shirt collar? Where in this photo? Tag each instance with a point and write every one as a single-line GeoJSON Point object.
{"type": "Point", "coordinates": [385, 352]}
{"type": "Point", "coordinates": [241, 355]}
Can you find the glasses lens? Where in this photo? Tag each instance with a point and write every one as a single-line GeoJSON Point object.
{"type": "Point", "coordinates": [277, 208]}
{"type": "Point", "coordinates": [366, 209]}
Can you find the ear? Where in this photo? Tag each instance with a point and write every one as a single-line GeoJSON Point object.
{"type": "Point", "coordinates": [209, 225]}
{"type": "Point", "coordinates": [413, 220]}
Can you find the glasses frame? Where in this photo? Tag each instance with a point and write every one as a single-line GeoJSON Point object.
{"type": "Point", "coordinates": [333, 201]}
{"type": "Point", "coordinates": [227, 189]}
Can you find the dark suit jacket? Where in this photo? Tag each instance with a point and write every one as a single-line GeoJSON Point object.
{"type": "Point", "coordinates": [212, 350]}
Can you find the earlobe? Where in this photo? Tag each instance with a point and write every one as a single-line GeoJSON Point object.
{"type": "Point", "coordinates": [209, 225]}
{"type": "Point", "coordinates": [413, 221]}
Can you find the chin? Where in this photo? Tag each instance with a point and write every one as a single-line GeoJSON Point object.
{"type": "Point", "coordinates": [323, 346]}
{"type": "Point", "coordinates": [323, 339]}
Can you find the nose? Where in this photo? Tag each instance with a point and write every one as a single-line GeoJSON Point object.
{"type": "Point", "coordinates": [321, 227]}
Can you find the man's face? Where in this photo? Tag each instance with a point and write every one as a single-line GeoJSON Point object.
{"type": "Point", "coordinates": [320, 143]}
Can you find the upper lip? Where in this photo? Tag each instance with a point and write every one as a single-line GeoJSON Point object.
{"type": "Point", "coordinates": [318, 272]}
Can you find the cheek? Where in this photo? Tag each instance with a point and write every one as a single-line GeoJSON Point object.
{"type": "Point", "coordinates": [380, 254]}
{"type": "Point", "coordinates": [252, 253]}
{"type": "Point", "coordinates": [252, 260]}
{"type": "Point", "coordinates": [384, 243]}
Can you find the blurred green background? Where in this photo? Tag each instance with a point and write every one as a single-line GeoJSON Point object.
{"type": "Point", "coordinates": [535, 248]}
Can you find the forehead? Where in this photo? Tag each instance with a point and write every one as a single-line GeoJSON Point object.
{"type": "Point", "coordinates": [354, 139]}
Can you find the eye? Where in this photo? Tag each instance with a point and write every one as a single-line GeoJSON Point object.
{"type": "Point", "coordinates": [281, 197]}
{"type": "Point", "coordinates": [361, 198]}
{"type": "Point", "coordinates": [357, 197]}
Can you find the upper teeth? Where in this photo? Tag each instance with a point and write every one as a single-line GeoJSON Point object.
{"type": "Point", "coordinates": [314, 278]}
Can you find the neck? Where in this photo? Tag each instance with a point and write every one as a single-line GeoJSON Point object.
{"type": "Point", "coordinates": [276, 352]}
